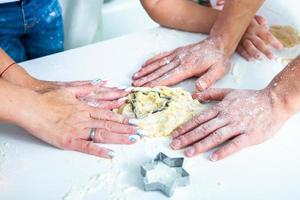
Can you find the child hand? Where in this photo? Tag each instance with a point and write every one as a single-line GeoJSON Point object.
{"type": "Point", "coordinates": [256, 39]}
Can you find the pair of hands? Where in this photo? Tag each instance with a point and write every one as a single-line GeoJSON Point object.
{"type": "Point", "coordinates": [207, 59]}
{"type": "Point", "coordinates": [243, 117]}
{"type": "Point", "coordinates": [61, 115]}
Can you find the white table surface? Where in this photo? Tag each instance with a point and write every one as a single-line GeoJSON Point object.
{"type": "Point", "coordinates": [31, 169]}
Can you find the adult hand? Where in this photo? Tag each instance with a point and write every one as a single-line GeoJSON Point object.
{"type": "Point", "coordinates": [206, 60]}
{"type": "Point", "coordinates": [59, 118]}
{"type": "Point", "coordinates": [256, 39]}
{"type": "Point", "coordinates": [94, 93]}
{"type": "Point", "coordinates": [243, 118]}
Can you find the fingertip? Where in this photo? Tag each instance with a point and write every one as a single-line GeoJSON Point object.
{"type": "Point", "coordinates": [270, 56]}
{"type": "Point", "coordinates": [201, 85]}
{"type": "Point", "coordinates": [123, 99]}
{"type": "Point", "coordinates": [195, 95]}
{"type": "Point", "coordinates": [279, 46]}
{"type": "Point", "coordinates": [134, 84]}
{"type": "Point", "coordinates": [126, 120]}
{"type": "Point", "coordinates": [133, 139]}
{"type": "Point", "coordinates": [135, 76]}
{"type": "Point", "coordinates": [199, 97]}
{"type": "Point", "coordinates": [175, 144]}
{"type": "Point", "coordinates": [174, 134]}
{"type": "Point", "coordinates": [132, 121]}
{"type": "Point", "coordinates": [190, 152]}
{"type": "Point", "coordinates": [214, 157]}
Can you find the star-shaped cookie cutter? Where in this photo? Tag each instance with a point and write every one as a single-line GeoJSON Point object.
{"type": "Point", "coordinates": [182, 177]}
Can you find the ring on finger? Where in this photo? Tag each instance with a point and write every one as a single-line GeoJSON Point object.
{"type": "Point", "coordinates": [92, 134]}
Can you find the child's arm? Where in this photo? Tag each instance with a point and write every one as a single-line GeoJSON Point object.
{"type": "Point", "coordinates": [181, 14]}
{"type": "Point", "coordinates": [209, 58]}
{"type": "Point", "coordinates": [189, 16]}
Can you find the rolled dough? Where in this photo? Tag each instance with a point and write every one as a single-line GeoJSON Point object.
{"type": "Point", "coordinates": [287, 35]}
{"type": "Point", "coordinates": [160, 110]}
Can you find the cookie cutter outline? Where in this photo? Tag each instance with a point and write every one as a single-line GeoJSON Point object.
{"type": "Point", "coordinates": [181, 181]}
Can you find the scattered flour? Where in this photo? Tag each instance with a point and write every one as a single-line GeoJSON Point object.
{"type": "Point", "coordinates": [162, 174]}
{"type": "Point", "coordinates": [9, 162]}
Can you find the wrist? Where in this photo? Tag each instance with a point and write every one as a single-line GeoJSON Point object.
{"type": "Point", "coordinates": [220, 44]}
{"type": "Point", "coordinates": [283, 103]}
{"type": "Point", "coordinates": [17, 103]}
{"type": "Point", "coordinates": [18, 76]}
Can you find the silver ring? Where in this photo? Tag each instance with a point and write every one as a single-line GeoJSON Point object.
{"type": "Point", "coordinates": [92, 134]}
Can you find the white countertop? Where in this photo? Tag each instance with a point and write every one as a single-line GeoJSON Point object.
{"type": "Point", "coordinates": [31, 169]}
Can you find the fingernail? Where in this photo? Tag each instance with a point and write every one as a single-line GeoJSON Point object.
{"type": "Point", "coordinates": [213, 157]}
{"type": "Point", "coordinates": [111, 154]}
{"type": "Point", "coordinates": [136, 74]}
{"type": "Point", "coordinates": [92, 103]}
{"type": "Point", "coordinates": [202, 84]}
{"type": "Point", "coordinates": [190, 151]}
{"type": "Point", "coordinates": [280, 46]}
{"type": "Point", "coordinates": [134, 138]}
{"type": "Point", "coordinates": [96, 81]}
{"type": "Point", "coordinates": [176, 144]}
{"type": "Point", "coordinates": [141, 133]}
{"type": "Point", "coordinates": [123, 99]}
{"type": "Point", "coordinates": [129, 89]}
{"type": "Point", "coordinates": [133, 122]}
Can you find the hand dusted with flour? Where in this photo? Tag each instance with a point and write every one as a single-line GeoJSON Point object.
{"type": "Point", "coordinates": [208, 59]}
{"type": "Point", "coordinates": [205, 60]}
{"type": "Point", "coordinates": [242, 118]}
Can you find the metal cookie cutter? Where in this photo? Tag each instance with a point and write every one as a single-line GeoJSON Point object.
{"type": "Point", "coordinates": [167, 178]}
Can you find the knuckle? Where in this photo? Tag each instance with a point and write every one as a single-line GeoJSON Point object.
{"type": "Point", "coordinates": [236, 144]}
{"type": "Point", "coordinates": [180, 129]}
{"type": "Point", "coordinates": [109, 114]}
{"type": "Point", "coordinates": [198, 119]}
{"type": "Point", "coordinates": [66, 143]}
{"type": "Point", "coordinates": [205, 128]}
{"type": "Point", "coordinates": [100, 135]}
{"type": "Point", "coordinates": [108, 125]}
{"type": "Point", "coordinates": [183, 140]}
{"type": "Point", "coordinates": [218, 136]}
{"type": "Point", "coordinates": [247, 43]}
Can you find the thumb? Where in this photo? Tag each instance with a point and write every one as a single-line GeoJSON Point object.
{"type": "Point", "coordinates": [213, 74]}
{"type": "Point", "coordinates": [261, 20]}
{"type": "Point", "coordinates": [214, 94]}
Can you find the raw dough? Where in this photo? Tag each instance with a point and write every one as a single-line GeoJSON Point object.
{"type": "Point", "coordinates": [160, 110]}
{"type": "Point", "coordinates": [287, 35]}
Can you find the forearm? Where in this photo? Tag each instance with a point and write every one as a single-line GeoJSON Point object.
{"type": "Point", "coordinates": [181, 14]}
{"type": "Point", "coordinates": [233, 21]}
{"type": "Point", "coordinates": [14, 102]}
{"type": "Point", "coordinates": [18, 75]}
{"type": "Point", "coordinates": [285, 88]}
